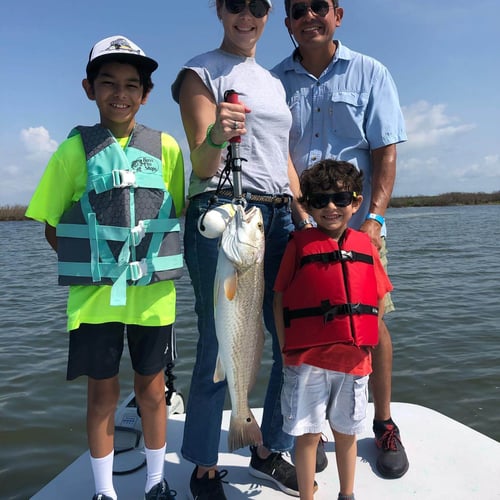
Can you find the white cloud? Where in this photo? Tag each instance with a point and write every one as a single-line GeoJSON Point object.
{"type": "Point", "coordinates": [37, 141]}
{"type": "Point", "coordinates": [29, 152]}
{"type": "Point", "coordinates": [441, 154]}
{"type": "Point", "coordinates": [428, 124]}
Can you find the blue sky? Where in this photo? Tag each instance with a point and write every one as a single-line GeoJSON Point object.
{"type": "Point", "coordinates": [442, 54]}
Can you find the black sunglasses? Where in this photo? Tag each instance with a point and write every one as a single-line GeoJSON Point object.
{"type": "Point", "coordinates": [319, 7]}
{"type": "Point", "coordinates": [258, 8]}
{"type": "Point", "coordinates": [342, 199]}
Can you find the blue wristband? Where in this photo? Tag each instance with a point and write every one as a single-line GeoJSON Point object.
{"type": "Point", "coordinates": [376, 217]}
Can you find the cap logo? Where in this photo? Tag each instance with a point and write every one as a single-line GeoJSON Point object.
{"type": "Point", "coordinates": [123, 45]}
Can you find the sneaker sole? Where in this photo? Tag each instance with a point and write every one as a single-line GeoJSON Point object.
{"type": "Point", "coordinates": [281, 486]}
{"type": "Point", "coordinates": [389, 474]}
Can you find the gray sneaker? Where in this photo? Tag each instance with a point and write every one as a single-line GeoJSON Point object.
{"type": "Point", "coordinates": [276, 469]}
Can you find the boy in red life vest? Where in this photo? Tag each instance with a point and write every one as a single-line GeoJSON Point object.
{"type": "Point", "coordinates": [329, 299]}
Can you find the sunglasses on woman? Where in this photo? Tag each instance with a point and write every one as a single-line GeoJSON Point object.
{"type": "Point", "coordinates": [258, 8]}
{"type": "Point", "coordinates": [319, 7]}
{"type": "Point", "coordinates": [342, 199]}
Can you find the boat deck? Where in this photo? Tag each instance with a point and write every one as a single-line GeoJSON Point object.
{"type": "Point", "coordinates": [447, 460]}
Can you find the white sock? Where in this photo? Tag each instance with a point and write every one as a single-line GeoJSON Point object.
{"type": "Point", "coordinates": [102, 468]}
{"type": "Point", "coordinates": [155, 461]}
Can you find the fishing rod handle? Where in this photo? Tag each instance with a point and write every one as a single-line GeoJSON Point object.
{"type": "Point", "coordinates": [231, 96]}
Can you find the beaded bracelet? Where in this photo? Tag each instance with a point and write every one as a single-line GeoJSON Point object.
{"type": "Point", "coordinates": [212, 143]}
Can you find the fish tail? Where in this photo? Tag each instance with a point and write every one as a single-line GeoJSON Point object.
{"type": "Point", "coordinates": [243, 431]}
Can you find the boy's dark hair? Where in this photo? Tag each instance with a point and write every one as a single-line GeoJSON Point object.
{"type": "Point", "coordinates": [330, 175]}
{"type": "Point", "coordinates": [120, 49]}
{"type": "Point", "coordinates": [144, 74]}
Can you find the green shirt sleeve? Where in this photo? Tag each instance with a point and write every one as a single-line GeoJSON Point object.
{"type": "Point", "coordinates": [173, 171]}
{"type": "Point", "coordinates": [62, 183]}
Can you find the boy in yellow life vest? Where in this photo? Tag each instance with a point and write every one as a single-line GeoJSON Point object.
{"type": "Point", "coordinates": [110, 197]}
{"type": "Point", "coordinates": [329, 300]}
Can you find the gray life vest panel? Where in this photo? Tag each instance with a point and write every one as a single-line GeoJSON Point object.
{"type": "Point", "coordinates": [123, 231]}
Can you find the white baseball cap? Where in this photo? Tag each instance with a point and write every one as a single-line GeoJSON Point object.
{"type": "Point", "coordinates": [119, 48]}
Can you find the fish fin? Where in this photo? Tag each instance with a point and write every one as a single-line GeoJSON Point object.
{"type": "Point", "coordinates": [219, 373]}
{"type": "Point", "coordinates": [230, 285]}
{"type": "Point", "coordinates": [243, 431]}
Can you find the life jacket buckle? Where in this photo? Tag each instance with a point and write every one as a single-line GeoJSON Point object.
{"type": "Point", "coordinates": [138, 269]}
{"type": "Point", "coordinates": [138, 232]}
{"type": "Point", "coordinates": [346, 255]}
{"type": "Point", "coordinates": [123, 178]}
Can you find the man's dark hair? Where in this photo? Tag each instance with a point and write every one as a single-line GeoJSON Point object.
{"type": "Point", "coordinates": [330, 175]}
{"type": "Point", "coordinates": [296, 53]}
{"type": "Point", "coordinates": [287, 5]}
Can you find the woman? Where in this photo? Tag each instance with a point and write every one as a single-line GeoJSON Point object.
{"type": "Point", "coordinates": [263, 120]}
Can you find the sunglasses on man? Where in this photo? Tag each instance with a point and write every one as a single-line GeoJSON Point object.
{"type": "Point", "coordinates": [340, 199]}
{"type": "Point", "coordinates": [319, 7]}
{"type": "Point", "coordinates": [258, 8]}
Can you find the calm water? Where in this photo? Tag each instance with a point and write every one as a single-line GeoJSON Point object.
{"type": "Point", "coordinates": [444, 263]}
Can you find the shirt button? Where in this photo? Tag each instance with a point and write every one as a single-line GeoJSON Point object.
{"type": "Point", "coordinates": [316, 135]}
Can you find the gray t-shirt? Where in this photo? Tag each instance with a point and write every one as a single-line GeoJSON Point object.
{"type": "Point", "coordinates": [265, 145]}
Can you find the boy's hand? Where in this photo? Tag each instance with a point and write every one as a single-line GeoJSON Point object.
{"type": "Point", "coordinates": [50, 236]}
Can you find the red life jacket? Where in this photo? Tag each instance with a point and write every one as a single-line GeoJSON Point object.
{"type": "Point", "coordinates": [333, 295]}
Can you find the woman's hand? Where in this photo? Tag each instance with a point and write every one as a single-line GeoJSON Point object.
{"type": "Point", "coordinates": [229, 122]}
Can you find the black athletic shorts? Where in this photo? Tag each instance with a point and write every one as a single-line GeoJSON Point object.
{"type": "Point", "coordinates": [96, 350]}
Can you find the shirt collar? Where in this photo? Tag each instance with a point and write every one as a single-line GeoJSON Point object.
{"type": "Point", "coordinates": [342, 52]}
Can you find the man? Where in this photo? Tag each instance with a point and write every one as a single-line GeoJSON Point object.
{"type": "Point", "coordinates": [345, 106]}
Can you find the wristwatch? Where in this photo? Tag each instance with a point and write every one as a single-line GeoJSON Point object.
{"type": "Point", "coordinates": [376, 217]}
{"type": "Point", "coordinates": [303, 223]}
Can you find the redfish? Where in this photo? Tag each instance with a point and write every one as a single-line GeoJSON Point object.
{"type": "Point", "coordinates": [238, 297]}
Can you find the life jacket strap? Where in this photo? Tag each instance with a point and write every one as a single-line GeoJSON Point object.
{"type": "Point", "coordinates": [328, 311]}
{"type": "Point", "coordinates": [337, 256]}
{"type": "Point", "coordinates": [120, 178]}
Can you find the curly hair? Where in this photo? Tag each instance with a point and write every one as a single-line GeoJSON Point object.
{"type": "Point", "coordinates": [330, 175]}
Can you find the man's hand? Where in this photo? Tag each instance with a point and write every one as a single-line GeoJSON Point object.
{"type": "Point", "coordinates": [372, 228]}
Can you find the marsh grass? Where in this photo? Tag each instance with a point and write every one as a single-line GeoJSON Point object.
{"type": "Point", "coordinates": [13, 212]}
{"type": "Point", "coordinates": [16, 212]}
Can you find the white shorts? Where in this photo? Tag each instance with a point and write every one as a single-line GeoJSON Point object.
{"type": "Point", "coordinates": [311, 395]}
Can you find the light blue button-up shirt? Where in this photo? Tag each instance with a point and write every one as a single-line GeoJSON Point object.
{"type": "Point", "coordinates": [351, 109]}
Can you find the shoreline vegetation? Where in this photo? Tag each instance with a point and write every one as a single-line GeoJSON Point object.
{"type": "Point", "coordinates": [16, 212]}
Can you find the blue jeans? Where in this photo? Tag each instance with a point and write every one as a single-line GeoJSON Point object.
{"type": "Point", "coordinates": [206, 398]}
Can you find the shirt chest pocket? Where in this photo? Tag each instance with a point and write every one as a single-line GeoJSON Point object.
{"type": "Point", "coordinates": [347, 112]}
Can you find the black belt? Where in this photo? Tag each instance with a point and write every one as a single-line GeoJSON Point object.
{"type": "Point", "coordinates": [277, 200]}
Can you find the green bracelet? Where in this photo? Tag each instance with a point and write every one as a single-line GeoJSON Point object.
{"type": "Point", "coordinates": [212, 143]}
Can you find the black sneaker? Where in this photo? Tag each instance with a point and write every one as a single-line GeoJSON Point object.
{"type": "Point", "coordinates": [392, 461]}
{"type": "Point", "coordinates": [208, 487]}
{"type": "Point", "coordinates": [161, 491]}
{"type": "Point", "coordinates": [321, 459]}
{"type": "Point", "coordinates": [276, 469]}
{"type": "Point", "coordinates": [100, 496]}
